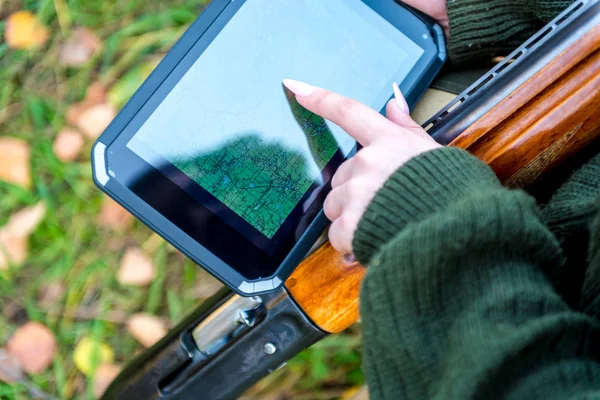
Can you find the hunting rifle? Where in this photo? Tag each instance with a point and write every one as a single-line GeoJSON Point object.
{"type": "Point", "coordinates": [534, 111]}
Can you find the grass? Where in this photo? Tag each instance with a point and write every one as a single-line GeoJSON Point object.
{"type": "Point", "coordinates": [69, 249]}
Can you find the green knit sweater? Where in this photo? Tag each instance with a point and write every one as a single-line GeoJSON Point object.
{"type": "Point", "coordinates": [469, 290]}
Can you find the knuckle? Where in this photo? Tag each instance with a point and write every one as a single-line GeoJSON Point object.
{"type": "Point", "coordinates": [328, 206]}
{"type": "Point", "coordinates": [337, 237]}
{"type": "Point", "coordinates": [355, 187]}
{"type": "Point", "coordinates": [323, 100]}
{"type": "Point", "coordinates": [347, 104]}
{"type": "Point", "coordinates": [365, 159]}
{"type": "Point", "coordinates": [335, 180]}
{"type": "Point", "coordinates": [344, 106]}
{"type": "Point", "coordinates": [347, 224]}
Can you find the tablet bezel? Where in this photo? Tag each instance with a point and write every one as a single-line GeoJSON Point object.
{"type": "Point", "coordinates": [110, 154]}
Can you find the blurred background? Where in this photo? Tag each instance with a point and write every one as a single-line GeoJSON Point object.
{"type": "Point", "coordinates": [83, 286]}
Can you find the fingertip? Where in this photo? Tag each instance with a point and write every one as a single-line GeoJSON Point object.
{"type": "Point", "coordinates": [299, 88]}
{"type": "Point", "coordinates": [399, 99]}
{"type": "Point", "coordinates": [394, 114]}
{"type": "Point", "coordinates": [337, 238]}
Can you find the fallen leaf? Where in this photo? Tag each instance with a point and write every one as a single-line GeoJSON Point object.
{"type": "Point", "coordinates": [25, 221]}
{"type": "Point", "coordinates": [89, 353]}
{"type": "Point", "coordinates": [13, 235]}
{"type": "Point", "coordinates": [105, 374]}
{"type": "Point", "coordinates": [112, 215]}
{"type": "Point", "coordinates": [68, 144]}
{"type": "Point", "coordinates": [357, 394]}
{"type": "Point", "coordinates": [13, 250]}
{"type": "Point", "coordinates": [14, 162]}
{"type": "Point", "coordinates": [136, 268]}
{"type": "Point", "coordinates": [51, 293]}
{"type": "Point", "coordinates": [34, 346]}
{"type": "Point", "coordinates": [25, 31]}
{"type": "Point", "coordinates": [95, 94]}
{"type": "Point", "coordinates": [79, 48]}
{"type": "Point", "coordinates": [146, 329]}
{"type": "Point", "coordinates": [10, 369]}
{"type": "Point", "coordinates": [94, 120]}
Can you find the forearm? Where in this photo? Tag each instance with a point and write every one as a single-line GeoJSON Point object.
{"type": "Point", "coordinates": [569, 216]}
{"type": "Point", "coordinates": [481, 30]}
{"type": "Point", "coordinates": [455, 305]}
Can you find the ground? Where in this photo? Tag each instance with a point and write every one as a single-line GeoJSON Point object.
{"type": "Point", "coordinates": [69, 281]}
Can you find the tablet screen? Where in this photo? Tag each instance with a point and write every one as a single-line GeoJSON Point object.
{"type": "Point", "coordinates": [231, 128]}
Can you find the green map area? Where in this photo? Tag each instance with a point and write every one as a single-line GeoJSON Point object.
{"type": "Point", "coordinates": [262, 182]}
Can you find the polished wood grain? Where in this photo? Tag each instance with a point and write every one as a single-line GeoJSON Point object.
{"type": "Point", "coordinates": [547, 120]}
{"type": "Point", "coordinates": [326, 286]}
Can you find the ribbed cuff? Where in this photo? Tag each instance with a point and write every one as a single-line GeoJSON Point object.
{"type": "Point", "coordinates": [483, 29]}
{"type": "Point", "coordinates": [422, 186]}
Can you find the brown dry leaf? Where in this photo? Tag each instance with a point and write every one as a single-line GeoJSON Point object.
{"type": "Point", "coordinates": [25, 221]}
{"type": "Point", "coordinates": [25, 31]}
{"type": "Point", "coordinates": [105, 374]}
{"type": "Point", "coordinates": [13, 250]}
{"type": "Point", "coordinates": [68, 144]}
{"type": "Point", "coordinates": [14, 162]}
{"type": "Point", "coordinates": [10, 369]}
{"type": "Point", "coordinates": [79, 48]}
{"type": "Point", "coordinates": [94, 120]}
{"type": "Point", "coordinates": [13, 235]}
{"type": "Point", "coordinates": [34, 346]}
{"type": "Point", "coordinates": [51, 293]}
{"type": "Point", "coordinates": [146, 329]}
{"type": "Point", "coordinates": [95, 94]}
{"type": "Point", "coordinates": [114, 216]}
{"type": "Point", "coordinates": [136, 268]}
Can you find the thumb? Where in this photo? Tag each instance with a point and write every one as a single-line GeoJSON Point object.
{"type": "Point", "coordinates": [397, 111]}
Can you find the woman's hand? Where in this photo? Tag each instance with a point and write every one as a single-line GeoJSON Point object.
{"type": "Point", "coordinates": [387, 144]}
{"type": "Point", "coordinates": [437, 9]}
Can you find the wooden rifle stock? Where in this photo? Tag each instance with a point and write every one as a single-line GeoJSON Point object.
{"type": "Point", "coordinates": [547, 120]}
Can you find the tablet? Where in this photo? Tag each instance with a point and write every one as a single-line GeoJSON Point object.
{"type": "Point", "coordinates": [218, 158]}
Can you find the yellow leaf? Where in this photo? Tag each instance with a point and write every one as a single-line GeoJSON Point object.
{"type": "Point", "coordinates": [90, 353]}
{"type": "Point", "coordinates": [25, 31]}
{"type": "Point", "coordinates": [126, 86]}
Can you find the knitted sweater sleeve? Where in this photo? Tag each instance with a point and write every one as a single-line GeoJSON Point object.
{"type": "Point", "coordinates": [455, 304]}
{"type": "Point", "coordinates": [572, 216]}
{"type": "Point", "coordinates": [483, 29]}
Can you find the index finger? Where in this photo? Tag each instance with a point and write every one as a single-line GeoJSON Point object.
{"type": "Point", "coordinates": [358, 120]}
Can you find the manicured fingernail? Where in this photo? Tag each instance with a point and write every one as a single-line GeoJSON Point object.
{"type": "Point", "coordinates": [300, 89]}
{"type": "Point", "coordinates": [400, 100]}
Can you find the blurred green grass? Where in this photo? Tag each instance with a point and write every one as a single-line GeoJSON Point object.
{"type": "Point", "coordinates": [69, 248]}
